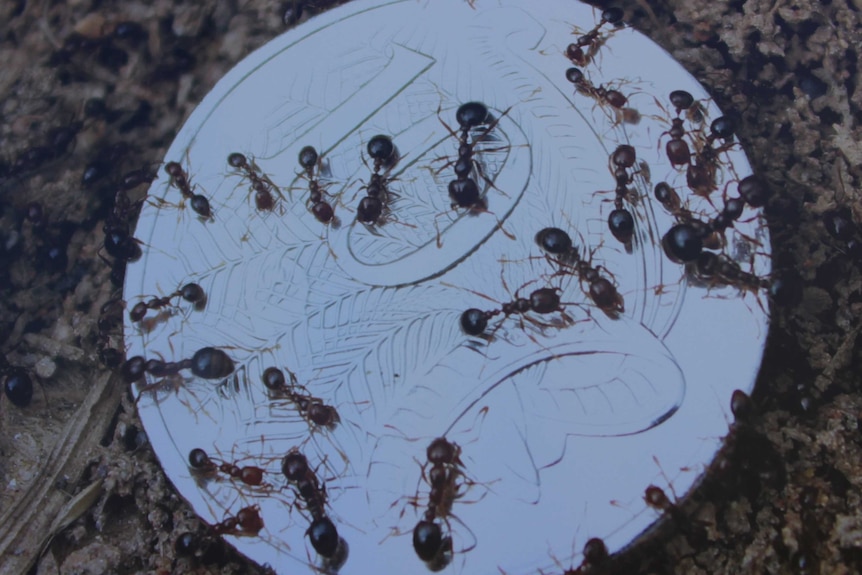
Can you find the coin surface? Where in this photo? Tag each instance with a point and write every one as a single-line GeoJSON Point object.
{"type": "Point", "coordinates": [562, 414]}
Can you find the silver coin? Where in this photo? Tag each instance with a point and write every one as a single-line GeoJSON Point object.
{"type": "Point", "coordinates": [562, 418]}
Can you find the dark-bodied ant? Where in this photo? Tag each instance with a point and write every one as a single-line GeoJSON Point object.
{"type": "Point", "coordinates": [119, 242]}
{"type": "Point", "coordinates": [559, 248]}
{"type": "Point", "coordinates": [203, 464]}
{"type": "Point", "coordinates": [261, 184]}
{"type": "Point", "coordinates": [190, 292]}
{"type": "Point", "coordinates": [246, 523]}
{"type": "Point", "coordinates": [463, 190]}
{"type": "Point", "coordinates": [596, 557]}
{"type": "Point", "coordinates": [685, 241]}
{"type": "Point", "coordinates": [585, 48]}
{"type": "Point", "coordinates": [542, 301]}
{"type": "Point", "coordinates": [374, 207]}
{"type": "Point", "coordinates": [207, 363]}
{"type": "Point", "coordinates": [57, 142]}
{"type": "Point", "coordinates": [17, 383]}
{"type": "Point", "coordinates": [322, 531]}
{"type": "Point", "coordinates": [180, 179]}
{"type": "Point", "coordinates": [620, 221]}
{"type": "Point", "coordinates": [711, 232]}
{"type": "Point", "coordinates": [602, 95]}
{"type": "Point", "coordinates": [311, 408]}
{"type": "Point", "coordinates": [445, 477]}
{"type": "Point", "coordinates": [316, 203]}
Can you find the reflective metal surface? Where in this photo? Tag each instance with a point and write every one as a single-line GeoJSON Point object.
{"type": "Point", "coordinates": [562, 419]}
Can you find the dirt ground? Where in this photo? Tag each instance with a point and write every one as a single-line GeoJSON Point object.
{"type": "Point", "coordinates": [80, 489]}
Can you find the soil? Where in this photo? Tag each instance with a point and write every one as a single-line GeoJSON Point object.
{"type": "Point", "coordinates": [80, 489]}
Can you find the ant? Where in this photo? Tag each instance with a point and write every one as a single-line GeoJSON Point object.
{"type": "Point", "coordinates": [180, 179]}
{"type": "Point", "coordinates": [207, 363]}
{"type": "Point", "coordinates": [374, 207]}
{"type": "Point", "coordinates": [595, 557]}
{"type": "Point", "coordinates": [712, 232]}
{"type": "Point", "coordinates": [591, 41]}
{"type": "Point", "coordinates": [119, 243]}
{"type": "Point", "coordinates": [463, 190]}
{"type": "Point", "coordinates": [311, 408]}
{"type": "Point", "coordinates": [260, 183]}
{"type": "Point", "coordinates": [316, 204]}
{"type": "Point", "coordinates": [445, 477]}
{"type": "Point", "coordinates": [17, 383]}
{"type": "Point", "coordinates": [202, 463]}
{"type": "Point", "coordinates": [542, 301]}
{"type": "Point", "coordinates": [620, 221]}
{"type": "Point", "coordinates": [558, 246]}
{"type": "Point", "coordinates": [246, 523]}
{"type": "Point", "coordinates": [191, 292]}
{"type": "Point", "coordinates": [322, 532]}
{"type": "Point", "coordinates": [57, 142]}
{"type": "Point", "coordinates": [602, 95]}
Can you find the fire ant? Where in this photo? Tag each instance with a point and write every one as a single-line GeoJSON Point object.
{"type": "Point", "coordinates": [260, 183]}
{"type": "Point", "coordinates": [711, 232]}
{"type": "Point", "coordinates": [207, 363]}
{"type": "Point", "coordinates": [17, 383]}
{"type": "Point", "coordinates": [311, 408]}
{"type": "Point", "coordinates": [118, 241]}
{"type": "Point", "coordinates": [246, 523]}
{"type": "Point", "coordinates": [463, 190]}
{"type": "Point", "coordinates": [191, 292]}
{"type": "Point", "coordinates": [595, 557]}
{"type": "Point", "coordinates": [203, 464]}
{"type": "Point", "coordinates": [374, 207]}
{"type": "Point", "coordinates": [446, 478]}
{"type": "Point", "coordinates": [620, 221]}
{"type": "Point", "coordinates": [180, 179]}
{"type": "Point", "coordinates": [316, 204]}
{"type": "Point", "coordinates": [541, 301]}
{"type": "Point", "coordinates": [591, 41]}
{"type": "Point", "coordinates": [602, 95]}
{"type": "Point", "coordinates": [558, 246]}
{"type": "Point", "coordinates": [322, 532]}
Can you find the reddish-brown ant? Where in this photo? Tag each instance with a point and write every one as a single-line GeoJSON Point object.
{"type": "Point", "coordinates": [261, 184]}
{"type": "Point", "coordinates": [191, 292]}
{"type": "Point", "coordinates": [446, 479]}
{"type": "Point", "coordinates": [316, 203]}
{"type": "Point", "coordinates": [180, 179]}
{"type": "Point", "coordinates": [602, 95]}
{"type": "Point", "coordinates": [311, 408]}
{"type": "Point", "coordinates": [585, 48]}
{"type": "Point", "coordinates": [246, 523]}
{"type": "Point", "coordinates": [203, 464]}
{"type": "Point", "coordinates": [322, 531]}
{"type": "Point", "coordinates": [374, 207]}
{"type": "Point", "coordinates": [558, 246]}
